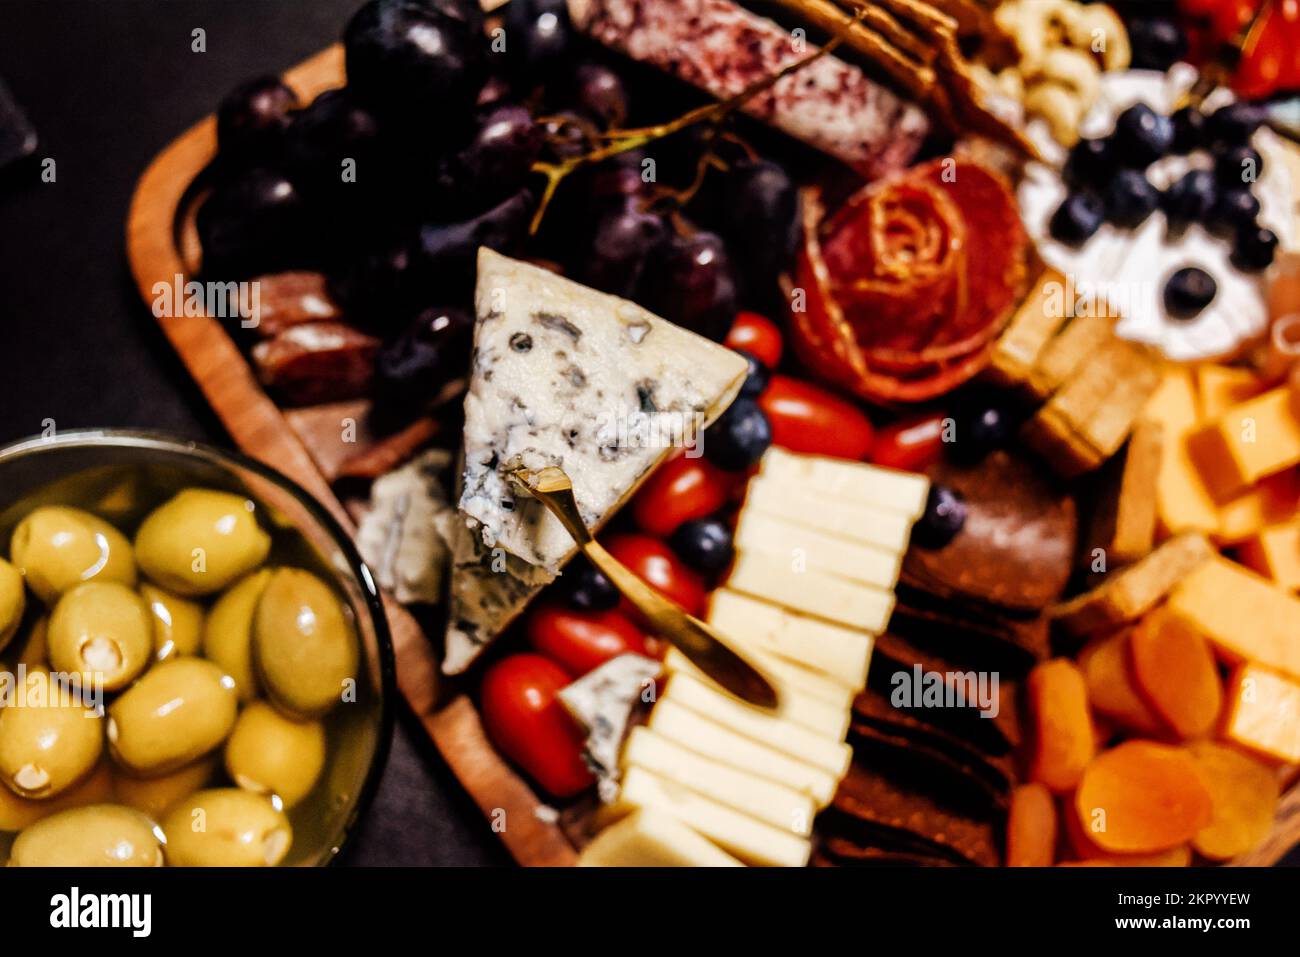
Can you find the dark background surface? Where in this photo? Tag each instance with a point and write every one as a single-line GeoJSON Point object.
{"type": "Point", "coordinates": [107, 84]}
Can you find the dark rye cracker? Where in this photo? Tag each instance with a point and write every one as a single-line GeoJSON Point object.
{"type": "Point", "coordinates": [1016, 549]}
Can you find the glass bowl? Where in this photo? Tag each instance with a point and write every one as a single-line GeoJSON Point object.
{"type": "Point", "coordinates": [122, 475]}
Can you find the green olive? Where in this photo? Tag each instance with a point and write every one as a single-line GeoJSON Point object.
{"type": "Point", "coordinates": [48, 740]}
{"type": "Point", "coordinates": [57, 547]}
{"type": "Point", "coordinates": [36, 649]}
{"type": "Point", "coordinates": [228, 632]}
{"type": "Point", "coordinates": [226, 827]}
{"type": "Point", "coordinates": [13, 602]}
{"type": "Point", "coordinates": [101, 630]}
{"type": "Point", "coordinates": [17, 813]}
{"type": "Point", "coordinates": [177, 623]}
{"type": "Point", "coordinates": [201, 540]}
{"type": "Point", "coordinates": [270, 754]}
{"type": "Point", "coordinates": [303, 645]}
{"type": "Point", "coordinates": [101, 835]}
{"type": "Point", "coordinates": [157, 796]}
{"type": "Point", "coordinates": [178, 712]}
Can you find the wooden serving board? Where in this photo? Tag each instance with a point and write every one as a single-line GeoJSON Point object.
{"type": "Point", "coordinates": [156, 247]}
{"type": "Point", "coordinates": [160, 244]}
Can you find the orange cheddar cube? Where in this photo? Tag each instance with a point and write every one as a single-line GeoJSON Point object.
{"type": "Point", "coordinates": [1263, 714]}
{"type": "Point", "coordinates": [1248, 442]}
{"type": "Point", "coordinates": [1244, 615]}
{"type": "Point", "coordinates": [1271, 501]}
{"type": "Point", "coordinates": [1275, 554]}
{"type": "Point", "coordinates": [1219, 388]}
{"type": "Point", "coordinates": [1183, 503]}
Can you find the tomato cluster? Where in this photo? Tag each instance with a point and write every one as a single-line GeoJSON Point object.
{"type": "Point", "coordinates": [521, 710]}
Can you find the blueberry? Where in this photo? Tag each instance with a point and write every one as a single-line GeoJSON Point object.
{"type": "Point", "coordinates": [1157, 43]}
{"type": "Point", "coordinates": [1234, 209]}
{"type": "Point", "coordinates": [1189, 130]}
{"type": "Point", "coordinates": [1188, 291]}
{"type": "Point", "coordinates": [1130, 198]}
{"type": "Point", "coordinates": [1234, 124]}
{"type": "Point", "coordinates": [1091, 163]}
{"type": "Point", "coordinates": [586, 588]}
{"type": "Point", "coordinates": [739, 438]}
{"type": "Point", "coordinates": [1255, 248]}
{"type": "Point", "coordinates": [1078, 217]}
{"type": "Point", "coordinates": [1142, 136]}
{"type": "Point", "coordinates": [944, 516]}
{"type": "Point", "coordinates": [756, 377]}
{"type": "Point", "coordinates": [1190, 199]}
{"type": "Point", "coordinates": [1238, 166]}
{"type": "Point", "coordinates": [704, 544]}
{"type": "Point", "coordinates": [981, 427]}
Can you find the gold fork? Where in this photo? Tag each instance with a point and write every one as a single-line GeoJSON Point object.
{"type": "Point", "coordinates": [692, 637]}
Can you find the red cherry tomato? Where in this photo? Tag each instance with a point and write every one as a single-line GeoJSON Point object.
{"type": "Point", "coordinates": [529, 725]}
{"type": "Point", "coordinates": [1199, 8]}
{"type": "Point", "coordinates": [1271, 58]}
{"type": "Point", "coordinates": [655, 564]}
{"type": "Point", "coordinates": [581, 641]}
{"type": "Point", "coordinates": [682, 489]}
{"type": "Point", "coordinates": [910, 444]}
{"type": "Point", "coordinates": [807, 418]}
{"type": "Point", "coordinates": [757, 335]}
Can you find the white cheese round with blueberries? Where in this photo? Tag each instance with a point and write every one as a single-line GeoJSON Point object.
{"type": "Point", "coordinates": [1129, 268]}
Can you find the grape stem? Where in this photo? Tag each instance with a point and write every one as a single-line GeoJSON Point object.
{"type": "Point", "coordinates": [621, 141]}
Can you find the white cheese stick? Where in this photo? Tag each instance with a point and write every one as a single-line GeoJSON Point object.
{"type": "Point", "coordinates": [650, 838]}
{"type": "Point", "coordinates": [813, 713]}
{"type": "Point", "coordinates": [830, 755]}
{"type": "Point", "coordinates": [817, 594]}
{"type": "Point", "coordinates": [749, 840]}
{"type": "Point", "coordinates": [846, 481]}
{"type": "Point", "coordinates": [841, 653]}
{"type": "Point", "coordinates": [795, 542]}
{"type": "Point", "coordinates": [711, 739]}
{"type": "Point", "coordinates": [750, 794]}
{"type": "Point", "coordinates": [882, 528]}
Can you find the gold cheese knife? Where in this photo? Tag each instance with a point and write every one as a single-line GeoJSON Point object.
{"type": "Point", "coordinates": [692, 637]}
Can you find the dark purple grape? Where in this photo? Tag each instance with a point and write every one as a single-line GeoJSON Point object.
{"type": "Point", "coordinates": [333, 131]}
{"type": "Point", "coordinates": [983, 424]}
{"type": "Point", "coordinates": [1234, 124]}
{"type": "Point", "coordinates": [376, 287]}
{"type": "Point", "coordinates": [689, 281]}
{"type": "Point", "coordinates": [566, 135]}
{"type": "Point", "coordinates": [1157, 43]}
{"type": "Point", "coordinates": [740, 436]}
{"type": "Point", "coordinates": [496, 160]}
{"type": "Point", "coordinates": [538, 37]}
{"type": "Point", "coordinates": [760, 218]}
{"type": "Point", "coordinates": [703, 544]}
{"type": "Point", "coordinates": [598, 92]}
{"type": "Point", "coordinates": [426, 59]}
{"type": "Point", "coordinates": [943, 518]}
{"type": "Point", "coordinates": [412, 368]}
{"type": "Point", "coordinates": [622, 243]}
{"type": "Point", "coordinates": [253, 115]}
{"type": "Point", "coordinates": [446, 252]}
{"type": "Point", "coordinates": [613, 182]}
{"type": "Point", "coordinates": [255, 223]}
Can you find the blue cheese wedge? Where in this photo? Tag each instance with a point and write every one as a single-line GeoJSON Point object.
{"type": "Point", "coordinates": [564, 375]}
{"type": "Point", "coordinates": [397, 535]}
{"type": "Point", "coordinates": [602, 701]}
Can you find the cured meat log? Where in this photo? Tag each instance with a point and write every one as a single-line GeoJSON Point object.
{"type": "Point", "coordinates": [722, 48]}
